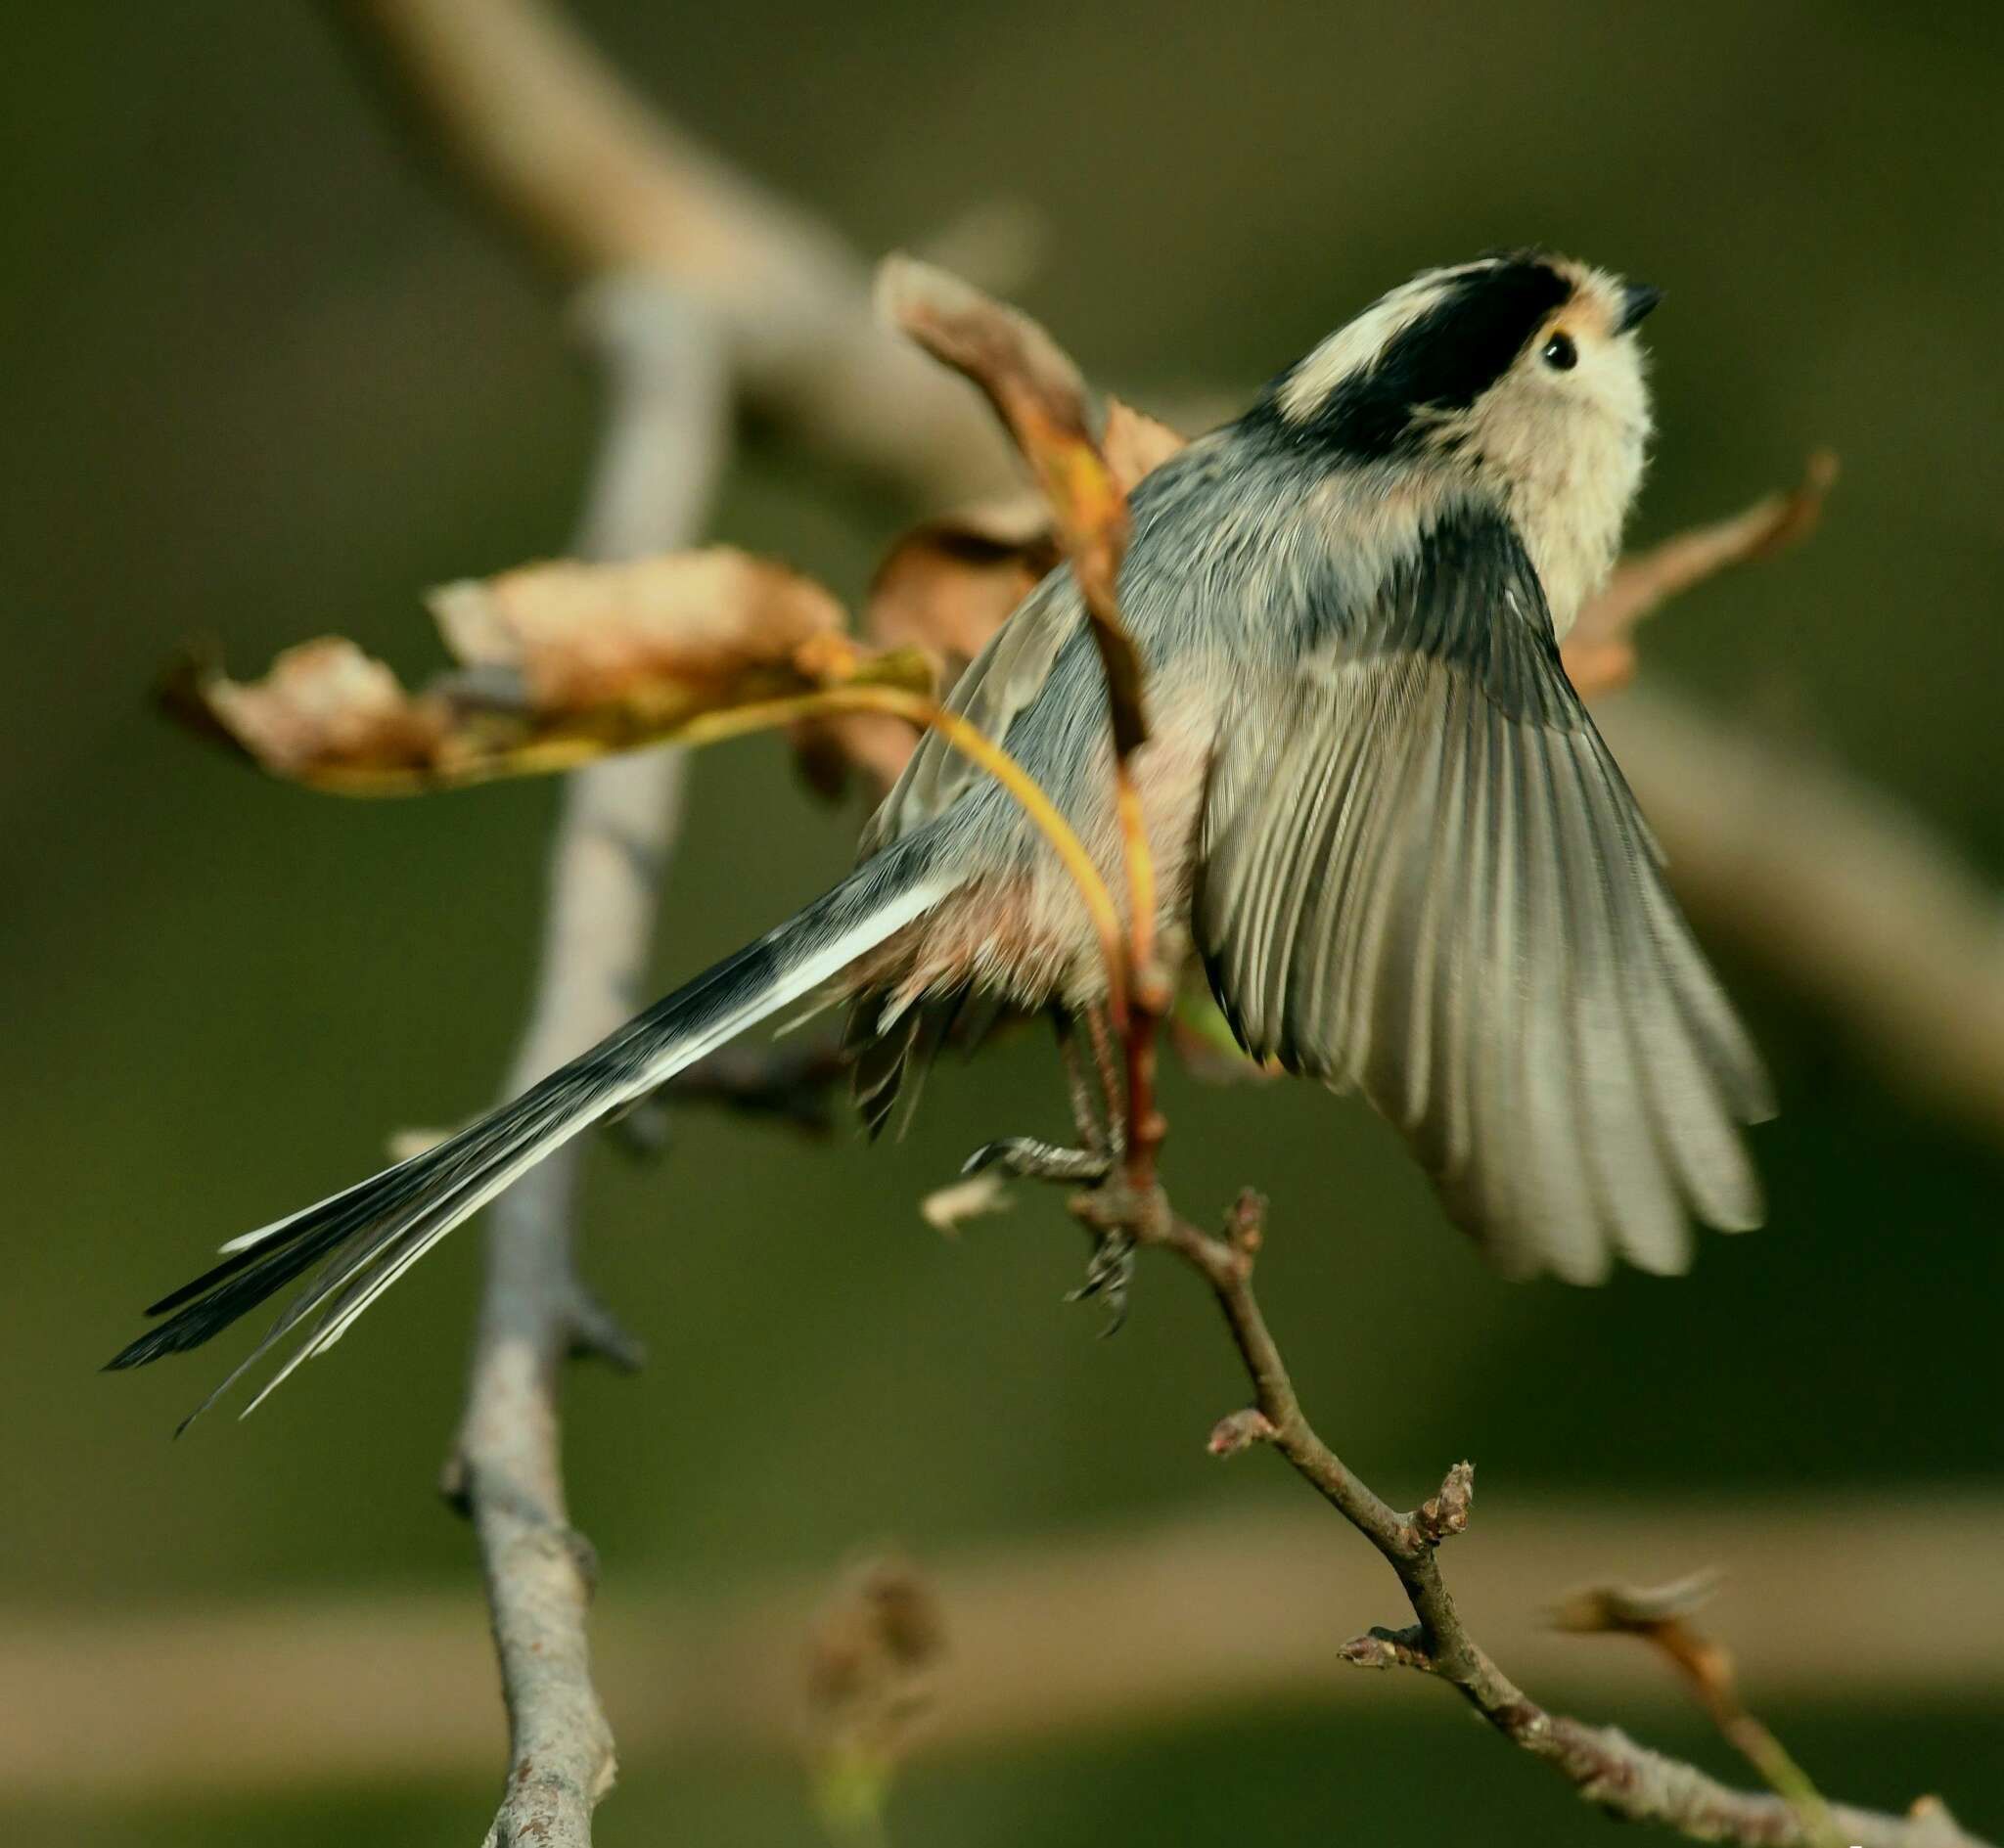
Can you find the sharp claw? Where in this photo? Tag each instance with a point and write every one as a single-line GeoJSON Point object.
{"type": "Point", "coordinates": [1109, 1274]}
{"type": "Point", "coordinates": [1111, 1269]}
{"type": "Point", "coordinates": [1034, 1160]}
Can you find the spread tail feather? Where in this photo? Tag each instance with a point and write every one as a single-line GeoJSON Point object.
{"type": "Point", "coordinates": [366, 1236]}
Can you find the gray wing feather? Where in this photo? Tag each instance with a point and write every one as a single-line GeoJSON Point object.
{"type": "Point", "coordinates": [1003, 679]}
{"type": "Point", "coordinates": [1423, 877]}
{"type": "Point", "coordinates": [998, 684]}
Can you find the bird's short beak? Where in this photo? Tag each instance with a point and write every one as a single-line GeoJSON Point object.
{"type": "Point", "coordinates": [1637, 300]}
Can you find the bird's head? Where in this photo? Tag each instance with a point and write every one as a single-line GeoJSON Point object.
{"type": "Point", "coordinates": [1519, 375]}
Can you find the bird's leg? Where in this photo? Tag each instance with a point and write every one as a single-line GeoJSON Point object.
{"type": "Point", "coordinates": [1085, 1111]}
{"type": "Point", "coordinates": [1096, 1111]}
{"type": "Point", "coordinates": [1031, 1159]}
{"type": "Point", "coordinates": [1108, 1274]}
{"type": "Point", "coordinates": [1108, 1065]}
{"type": "Point", "coordinates": [1034, 1159]}
{"type": "Point", "coordinates": [1109, 1269]}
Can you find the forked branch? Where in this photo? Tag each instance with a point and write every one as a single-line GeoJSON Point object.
{"type": "Point", "coordinates": [1602, 1764]}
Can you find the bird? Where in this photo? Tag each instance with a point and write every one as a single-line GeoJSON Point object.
{"type": "Point", "coordinates": [1381, 816]}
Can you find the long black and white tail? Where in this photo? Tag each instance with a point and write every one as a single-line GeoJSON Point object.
{"type": "Point", "coordinates": [365, 1237]}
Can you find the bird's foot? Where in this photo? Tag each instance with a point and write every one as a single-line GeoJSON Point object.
{"type": "Point", "coordinates": [1109, 1277]}
{"type": "Point", "coordinates": [1032, 1160]}
{"type": "Point", "coordinates": [1101, 1207]}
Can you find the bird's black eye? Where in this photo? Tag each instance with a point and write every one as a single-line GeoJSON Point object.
{"type": "Point", "coordinates": [1559, 353]}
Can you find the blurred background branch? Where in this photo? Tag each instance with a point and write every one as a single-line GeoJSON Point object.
{"type": "Point", "coordinates": [1202, 1615]}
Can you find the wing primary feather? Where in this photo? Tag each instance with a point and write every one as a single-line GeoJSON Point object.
{"type": "Point", "coordinates": [1692, 1120]}
{"type": "Point", "coordinates": [1350, 893]}
{"type": "Point", "coordinates": [1303, 898]}
{"type": "Point", "coordinates": [1567, 1233]}
{"type": "Point", "coordinates": [1493, 1168]}
{"type": "Point", "coordinates": [1638, 1196]}
{"type": "Point", "coordinates": [1424, 875]}
{"type": "Point", "coordinates": [1402, 1077]}
{"type": "Point", "coordinates": [1304, 997]}
{"type": "Point", "coordinates": [1450, 1149]}
{"type": "Point", "coordinates": [1402, 840]}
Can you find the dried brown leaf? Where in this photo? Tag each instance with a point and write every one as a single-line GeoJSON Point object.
{"type": "Point", "coordinates": [562, 662]}
{"type": "Point", "coordinates": [1136, 444]}
{"type": "Point", "coordinates": [873, 1662]}
{"type": "Point", "coordinates": [947, 1208]}
{"type": "Point", "coordinates": [948, 584]}
{"type": "Point", "coordinates": [945, 587]}
{"type": "Point", "coordinates": [324, 708]}
{"type": "Point", "coordinates": [657, 638]}
{"type": "Point", "coordinates": [1042, 397]}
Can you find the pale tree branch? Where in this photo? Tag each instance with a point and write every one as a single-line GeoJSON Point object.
{"type": "Point", "coordinates": [541, 130]}
{"type": "Point", "coordinates": [663, 452]}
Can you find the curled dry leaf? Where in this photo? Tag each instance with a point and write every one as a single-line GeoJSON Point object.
{"type": "Point", "coordinates": [1661, 1617]}
{"type": "Point", "coordinates": [1136, 444]}
{"type": "Point", "coordinates": [657, 638]}
{"type": "Point", "coordinates": [559, 664]}
{"type": "Point", "coordinates": [948, 584]}
{"type": "Point", "coordinates": [947, 1208]}
{"type": "Point", "coordinates": [1041, 396]}
{"type": "Point", "coordinates": [323, 707]}
{"type": "Point", "coordinates": [942, 588]}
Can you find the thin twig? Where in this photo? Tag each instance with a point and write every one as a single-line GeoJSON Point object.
{"type": "Point", "coordinates": [1603, 1765]}
{"type": "Point", "coordinates": [1600, 650]}
{"type": "Point", "coordinates": [1042, 398]}
{"type": "Point", "coordinates": [1663, 1617]}
{"type": "Point", "coordinates": [793, 1081]}
{"type": "Point", "coordinates": [658, 467]}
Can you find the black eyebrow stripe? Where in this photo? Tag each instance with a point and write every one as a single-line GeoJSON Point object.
{"type": "Point", "coordinates": [1444, 359]}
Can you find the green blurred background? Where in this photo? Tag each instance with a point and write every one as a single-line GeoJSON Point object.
{"type": "Point", "coordinates": [263, 377]}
